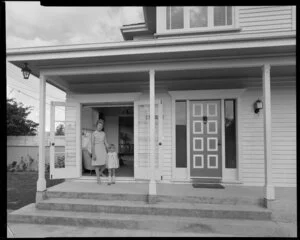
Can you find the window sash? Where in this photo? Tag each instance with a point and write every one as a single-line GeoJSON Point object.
{"type": "Point", "coordinates": [210, 19]}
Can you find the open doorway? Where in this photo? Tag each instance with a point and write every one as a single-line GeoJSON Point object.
{"type": "Point", "coordinates": [118, 128]}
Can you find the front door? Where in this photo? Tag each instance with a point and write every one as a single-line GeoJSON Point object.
{"type": "Point", "coordinates": [141, 131]}
{"type": "Point", "coordinates": [63, 141]}
{"type": "Point", "coordinates": [205, 139]}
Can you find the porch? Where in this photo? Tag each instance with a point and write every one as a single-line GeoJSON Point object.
{"type": "Point", "coordinates": [284, 208]}
{"type": "Point", "coordinates": [164, 78]}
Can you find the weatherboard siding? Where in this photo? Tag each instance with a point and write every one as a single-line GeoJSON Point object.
{"type": "Point", "coordinates": [283, 109]}
{"type": "Point", "coordinates": [265, 18]}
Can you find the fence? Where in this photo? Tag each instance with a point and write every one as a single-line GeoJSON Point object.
{"type": "Point", "coordinates": [23, 152]}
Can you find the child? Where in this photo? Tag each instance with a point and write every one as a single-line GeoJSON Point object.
{"type": "Point", "coordinates": [112, 163]}
{"type": "Point", "coordinates": [99, 149]}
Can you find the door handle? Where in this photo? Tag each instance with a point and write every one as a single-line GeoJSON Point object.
{"type": "Point", "coordinates": [53, 144]}
{"type": "Point", "coordinates": [159, 143]}
{"type": "Point", "coordinates": [219, 144]}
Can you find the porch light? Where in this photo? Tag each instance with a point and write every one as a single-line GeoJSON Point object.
{"type": "Point", "coordinates": [26, 71]}
{"type": "Point", "coordinates": [258, 106]}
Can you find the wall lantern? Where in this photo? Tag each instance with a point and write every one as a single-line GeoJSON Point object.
{"type": "Point", "coordinates": [26, 71]}
{"type": "Point", "coordinates": [258, 106]}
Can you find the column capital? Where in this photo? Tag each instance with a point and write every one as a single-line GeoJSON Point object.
{"type": "Point", "coordinates": [152, 72]}
{"type": "Point", "coordinates": [266, 67]}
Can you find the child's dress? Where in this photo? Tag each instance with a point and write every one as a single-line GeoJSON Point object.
{"type": "Point", "coordinates": [112, 160]}
{"type": "Point", "coordinates": [100, 150]}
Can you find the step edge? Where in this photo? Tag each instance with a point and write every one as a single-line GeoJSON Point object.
{"type": "Point", "coordinates": [191, 206]}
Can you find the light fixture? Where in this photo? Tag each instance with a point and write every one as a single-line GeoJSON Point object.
{"type": "Point", "coordinates": [26, 71]}
{"type": "Point", "coordinates": [258, 106]}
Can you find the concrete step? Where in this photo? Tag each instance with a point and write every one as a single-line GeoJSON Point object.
{"type": "Point", "coordinates": [160, 208]}
{"type": "Point", "coordinates": [160, 198]}
{"type": "Point", "coordinates": [157, 224]}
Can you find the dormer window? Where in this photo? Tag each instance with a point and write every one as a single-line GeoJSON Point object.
{"type": "Point", "coordinates": [198, 17]}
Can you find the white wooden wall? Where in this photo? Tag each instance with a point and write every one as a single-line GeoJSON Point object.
{"type": "Point", "coordinates": [283, 136]}
{"type": "Point", "coordinates": [265, 18]}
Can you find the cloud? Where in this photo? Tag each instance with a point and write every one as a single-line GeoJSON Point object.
{"type": "Point", "coordinates": [29, 24]}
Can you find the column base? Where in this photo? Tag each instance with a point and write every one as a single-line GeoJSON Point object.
{"type": "Point", "coordinates": [40, 196]}
{"type": "Point", "coordinates": [269, 192]}
{"type": "Point", "coordinates": [152, 192]}
{"type": "Point", "coordinates": [269, 197]}
{"type": "Point", "coordinates": [267, 203]}
{"type": "Point", "coordinates": [41, 184]}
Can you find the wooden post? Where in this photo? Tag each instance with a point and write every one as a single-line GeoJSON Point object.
{"type": "Point", "coordinates": [269, 191]}
{"type": "Point", "coordinates": [152, 183]}
{"type": "Point", "coordinates": [41, 182]}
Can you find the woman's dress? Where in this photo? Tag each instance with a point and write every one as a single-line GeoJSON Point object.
{"type": "Point", "coordinates": [100, 150]}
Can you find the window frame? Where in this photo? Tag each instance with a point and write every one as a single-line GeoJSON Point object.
{"type": "Point", "coordinates": [210, 21]}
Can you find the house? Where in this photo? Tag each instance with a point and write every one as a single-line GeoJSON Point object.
{"type": "Point", "coordinates": [204, 93]}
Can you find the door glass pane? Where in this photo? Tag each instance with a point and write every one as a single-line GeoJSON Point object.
{"type": "Point", "coordinates": [181, 151]}
{"type": "Point", "coordinates": [222, 16]}
{"type": "Point", "coordinates": [174, 17]}
{"type": "Point", "coordinates": [59, 113]}
{"type": "Point", "coordinates": [59, 128]}
{"type": "Point", "coordinates": [230, 133]}
{"type": "Point", "coordinates": [229, 15]}
{"type": "Point", "coordinates": [198, 17]}
{"type": "Point", "coordinates": [59, 161]}
{"type": "Point", "coordinates": [219, 16]}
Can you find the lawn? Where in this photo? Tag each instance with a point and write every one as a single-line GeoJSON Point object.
{"type": "Point", "coordinates": [21, 188]}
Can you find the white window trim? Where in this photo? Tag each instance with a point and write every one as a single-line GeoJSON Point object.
{"type": "Point", "coordinates": [162, 22]}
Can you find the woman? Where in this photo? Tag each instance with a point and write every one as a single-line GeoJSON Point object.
{"type": "Point", "coordinates": [99, 149]}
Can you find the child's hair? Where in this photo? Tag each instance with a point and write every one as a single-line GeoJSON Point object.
{"type": "Point", "coordinates": [99, 121]}
{"type": "Point", "coordinates": [112, 146]}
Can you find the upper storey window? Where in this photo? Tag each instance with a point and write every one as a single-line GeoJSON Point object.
{"type": "Point", "coordinates": [198, 17]}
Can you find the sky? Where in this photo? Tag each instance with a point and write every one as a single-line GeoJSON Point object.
{"type": "Point", "coordinates": [28, 24]}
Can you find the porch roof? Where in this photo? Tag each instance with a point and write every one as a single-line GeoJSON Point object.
{"type": "Point", "coordinates": [172, 80]}
{"type": "Point", "coordinates": [39, 58]}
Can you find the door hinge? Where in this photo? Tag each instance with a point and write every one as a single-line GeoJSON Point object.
{"type": "Point", "coordinates": [161, 177]}
{"type": "Point", "coordinates": [51, 176]}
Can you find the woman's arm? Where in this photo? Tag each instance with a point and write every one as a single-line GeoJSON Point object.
{"type": "Point", "coordinates": [105, 142]}
{"type": "Point", "coordinates": [93, 146]}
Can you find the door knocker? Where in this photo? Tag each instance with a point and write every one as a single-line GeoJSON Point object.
{"type": "Point", "coordinates": [204, 119]}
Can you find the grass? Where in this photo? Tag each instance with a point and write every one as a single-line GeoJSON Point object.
{"type": "Point", "coordinates": [21, 188]}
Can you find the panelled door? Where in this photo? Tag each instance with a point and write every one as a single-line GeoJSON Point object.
{"type": "Point", "coordinates": [142, 140]}
{"type": "Point", "coordinates": [63, 141]}
{"type": "Point", "coordinates": [205, 139]}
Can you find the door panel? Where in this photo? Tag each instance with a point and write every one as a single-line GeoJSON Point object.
{"type": "Point", "coordinates": [63, 162]}
{"type": "Point", "coordinates": [205, 139]}
{"type": "Point", "coordinates": [142, 156]}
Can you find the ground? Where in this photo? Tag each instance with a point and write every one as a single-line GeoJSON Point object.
{"type": "Point", "coordinates": [21, 188]}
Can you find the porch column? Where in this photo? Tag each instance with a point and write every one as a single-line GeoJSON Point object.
{"type": "Point", "coordinates": [269, 191]}
{"type": "Point", "coordinates": [152, 183]}
{"type": "Point", "coordinates": [41, 183]}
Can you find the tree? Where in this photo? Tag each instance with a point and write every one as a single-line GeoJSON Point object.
{"type": "Point", "coordinates": [16, 119]}
{"type": "Point", "coordinates": [60, 130]}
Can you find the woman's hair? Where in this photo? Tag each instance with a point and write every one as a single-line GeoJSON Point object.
{"type": "Point", "coordinates": [100, 121]}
